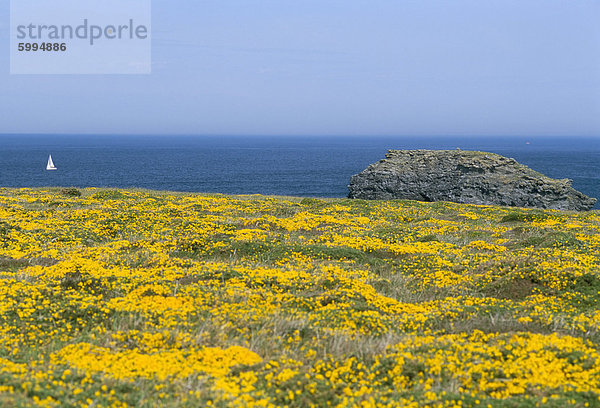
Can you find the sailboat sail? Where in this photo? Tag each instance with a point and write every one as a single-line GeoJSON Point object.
{"type": "Point", "coordinates": [50, 165]}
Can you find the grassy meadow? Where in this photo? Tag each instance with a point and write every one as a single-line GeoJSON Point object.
{"type": "Point", "coordinates": [129, 298]}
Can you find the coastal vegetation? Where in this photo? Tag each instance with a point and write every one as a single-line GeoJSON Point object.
{"type": "Point", "coordinates": [132, 298]}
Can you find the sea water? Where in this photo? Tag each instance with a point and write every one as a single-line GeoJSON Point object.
{"type": "Point", "coordinates": [295, 166]}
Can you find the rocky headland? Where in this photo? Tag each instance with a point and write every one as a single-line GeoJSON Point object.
{"type": "Point", "coordinates": [464, 177]}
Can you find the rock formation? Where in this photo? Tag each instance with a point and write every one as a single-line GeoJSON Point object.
{"type": "Point", "coordinates": [464, 177]}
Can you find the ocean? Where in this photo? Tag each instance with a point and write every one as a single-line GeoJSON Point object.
{"type": "Point", "coordinates": [294, 166]}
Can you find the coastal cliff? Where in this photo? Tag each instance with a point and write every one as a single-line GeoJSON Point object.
{"type": "Point", "coordinates": [464, 177]}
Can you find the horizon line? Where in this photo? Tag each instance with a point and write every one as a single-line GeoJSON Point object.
{"type": "Point", "coordinates": [301, 135]}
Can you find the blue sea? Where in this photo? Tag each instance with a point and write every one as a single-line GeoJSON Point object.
{"type": "Point", "coordinates": [296, 166]}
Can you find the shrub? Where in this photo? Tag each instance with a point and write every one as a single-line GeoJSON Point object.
{"type": "Point", "coordinates": [70, 192]}
{"type": "Point", "coordinates": [108, 195]}
{"type": "Point", "coordinates": [312, 202]}
{"type": "Point", "coordinates": [524, 217]}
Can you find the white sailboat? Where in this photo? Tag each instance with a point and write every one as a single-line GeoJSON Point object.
{"type": "Point", "coordinates": [50, 165]}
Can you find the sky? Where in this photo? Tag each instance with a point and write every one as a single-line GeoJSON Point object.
{"type": "Point", "coordinates": [329, 67]}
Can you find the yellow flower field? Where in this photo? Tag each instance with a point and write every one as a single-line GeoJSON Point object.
{"type": "Point", "coordinates": [140, 299]}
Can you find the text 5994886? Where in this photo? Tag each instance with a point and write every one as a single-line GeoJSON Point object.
{"type": "Point", "coordinates": [45, 46]}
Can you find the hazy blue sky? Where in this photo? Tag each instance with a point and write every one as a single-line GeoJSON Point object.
{"type": "Point", "coordinates": [347, 67]}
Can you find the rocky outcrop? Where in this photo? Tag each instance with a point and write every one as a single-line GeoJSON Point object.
{"type": "Point", "coordinates": [464, 177]}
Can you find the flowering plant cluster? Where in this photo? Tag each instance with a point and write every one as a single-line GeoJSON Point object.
{"type": "Point", "coordinates": [121, 298]}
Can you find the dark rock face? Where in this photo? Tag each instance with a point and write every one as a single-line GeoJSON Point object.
{"type": "Point", "coordinates": [464, 177]}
